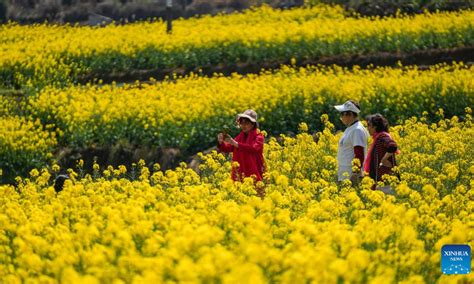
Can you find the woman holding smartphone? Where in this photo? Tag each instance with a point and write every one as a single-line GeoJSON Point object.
{"type": "Point", "coordinates": [246, 147]}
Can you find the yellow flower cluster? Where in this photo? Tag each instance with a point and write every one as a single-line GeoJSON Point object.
{"type": "Point", "coordinates": [188, 112]}
{"type": "Point", "coordinates": [41, 54]}
{"type": "Point", "coordinates": [24, 144]}
{"type": "Point", "coordinates": [182, 226]}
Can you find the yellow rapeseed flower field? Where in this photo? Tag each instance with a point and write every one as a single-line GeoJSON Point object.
{"type": "Point", "coordinates": [142, 225]}
{"type": "Point", "coordinates": [41, 54]}
{"type": "Point", "coordinates": [183, 226]}
{"type": "Point", "coordinates": [24, 144]}
{"type": "Point", "coordinates": [188, 112]}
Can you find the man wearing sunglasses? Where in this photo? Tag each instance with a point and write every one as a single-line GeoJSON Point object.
{"type": "Point", "coordinates": [353, 143]}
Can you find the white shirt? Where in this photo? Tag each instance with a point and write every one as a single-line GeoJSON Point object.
{"type": "Point", "coordinates": [354, 135]}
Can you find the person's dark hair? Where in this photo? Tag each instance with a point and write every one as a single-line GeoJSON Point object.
{"type": "Point", "coordinates": [378, 121]}
{"type": "Point", "coordinates": [255, 124]}
{"type": "Point", "coordinates": [59, 182]}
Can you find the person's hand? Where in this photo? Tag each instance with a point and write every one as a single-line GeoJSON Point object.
{"type": "Point", "coordinates": [220, 138]}
{"type": "Point", "coordinates": [385, 162]}
{"type": "Point", "coordinates": [231, 141]}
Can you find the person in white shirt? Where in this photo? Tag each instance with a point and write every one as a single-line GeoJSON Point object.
{"type": "Point", "coordinates": [353, 143]}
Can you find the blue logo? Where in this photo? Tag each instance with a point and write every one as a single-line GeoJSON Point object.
{"type": "Point", "coordinates": [456, 259]}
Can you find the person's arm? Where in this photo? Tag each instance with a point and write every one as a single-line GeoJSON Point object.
{"type": "Point", "coordinates": [254, 147]}
{"type": "Point", "coordinates": [359, 154]}
{"type": "Point", "coordinates": [385, 160]}
{"type": "Point", "coordinates": [391, 147]}
{"type": "Point", "coordinates": [359, 142]}
{"type": "Point", "coordinates": [226, 147]}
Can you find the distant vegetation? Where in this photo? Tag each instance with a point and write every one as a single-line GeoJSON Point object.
{"type": "Point", "coordinates": [81, 11]}
{"type": "Point", "coordinates": [390, 7]}
{"type": "Point", "coordinates": [74, 11]}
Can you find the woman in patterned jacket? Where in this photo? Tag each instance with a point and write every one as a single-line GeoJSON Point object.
{"type": "Point", "coordinates": [381, 155]}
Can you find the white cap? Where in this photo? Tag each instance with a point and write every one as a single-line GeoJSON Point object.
{"type": "Point", "coordinates": [348, 106]}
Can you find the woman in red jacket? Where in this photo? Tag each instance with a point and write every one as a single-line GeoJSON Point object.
{"type": "Point", "coordinates": [246, 148]}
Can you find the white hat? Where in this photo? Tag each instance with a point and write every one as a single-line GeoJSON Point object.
{"type": "Point", "coordinates": [348, 106]}
{"type": "Point", "coordinates": [250, 114]}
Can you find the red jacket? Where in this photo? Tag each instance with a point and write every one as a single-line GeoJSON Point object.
{"type": "Point", "coordinates": [249, 155]}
